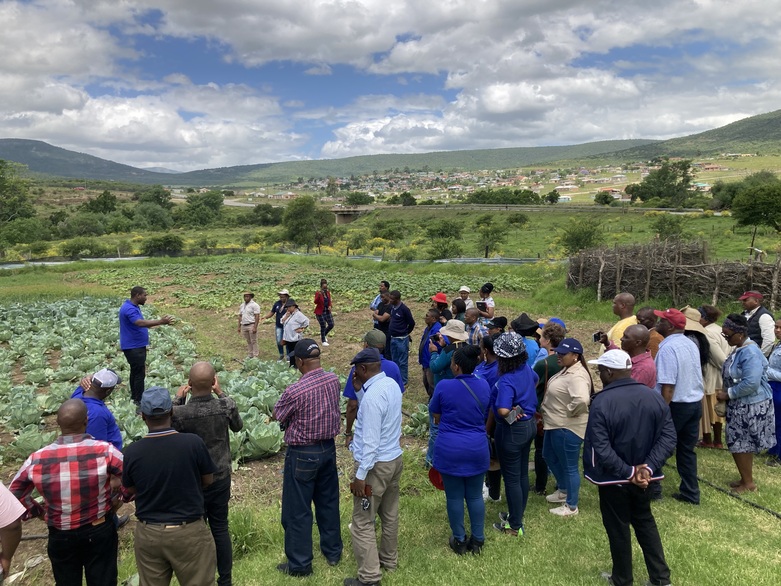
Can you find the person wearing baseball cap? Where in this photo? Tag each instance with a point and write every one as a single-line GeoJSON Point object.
{"type": "Point", "coordinates": [760, 321]}
{"type": "Point", "coordinates": [622, 459]}
{"type": "Point", "coordinates": [278, 312]}
{"type": "Point", "coordinates": [94, 390]}
{"type": "Point", "coordinates": [564, 415]}
{"type": "Point", "coordinates": [309, 411]}
{"type": "Point", "coordinates": [679, 381]}
{"type": "Point", "coordinates": [463, 293]}
{"type": "Point", "coordinates": [167, 472]}
{"type": "Point", "coordinates": [372, 339]}
{"type": "Point", "coordinates": [249, 318]}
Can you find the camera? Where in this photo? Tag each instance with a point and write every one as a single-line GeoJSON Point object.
{"type": "Point", "coordinates": [595, 337]}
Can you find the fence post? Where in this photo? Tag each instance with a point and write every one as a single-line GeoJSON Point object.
{"type": "Point", "coordinates": [774, 285]}
{"type": "Point", "coordinates": [599, 281]}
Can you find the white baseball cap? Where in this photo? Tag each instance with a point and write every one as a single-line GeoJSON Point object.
{"type": "Point", "coordinates": [106, 378]}
{"type": "Point", "coordinates": [465, 288]}
{"type": "Point", "coordinates": [615, 359]}
{"type": "Point", "coordinates": [283, 292]}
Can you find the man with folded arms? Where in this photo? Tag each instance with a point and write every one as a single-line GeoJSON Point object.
{"type": "Point", "coordinates": [378, 462]}
{"type": "Point", "coordinates": [76, 476]}
{"type": "Point", "coordinates": [309, 411]}
{"type": "Point", "coordinates": [630, 433]}
{"type": "Point", "coordinates": [167, 471]}
{"type": "Point", "coordinates": [209, 414]}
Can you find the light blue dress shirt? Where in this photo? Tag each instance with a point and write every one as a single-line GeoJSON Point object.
{"type": "Point", "coordinates": [678, 363]}
{"type": "Point", "coordinates": [378, 425]}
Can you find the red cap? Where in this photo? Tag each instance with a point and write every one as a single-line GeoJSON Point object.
{"type": "Point", "coordinates": [674, 316]}
{"type": "Point", "coordinates": [439, 298]}
{"type": "Point", "coordinates": [751, 295]}
{"type": "Point", "coordinates": [436, 478]}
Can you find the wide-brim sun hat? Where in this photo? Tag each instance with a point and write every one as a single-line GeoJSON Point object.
{"type": "Point", "coordinates": [454, 330]}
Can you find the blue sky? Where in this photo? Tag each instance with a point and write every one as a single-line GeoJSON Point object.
{"type": "Point", "coordinates": [190, 84]}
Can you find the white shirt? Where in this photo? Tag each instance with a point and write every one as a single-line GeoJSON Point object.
{"type": "Point", "coordinates": [248, 311]}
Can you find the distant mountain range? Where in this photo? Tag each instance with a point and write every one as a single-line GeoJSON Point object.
{"type": "Point", "coordinates": [757, 134]}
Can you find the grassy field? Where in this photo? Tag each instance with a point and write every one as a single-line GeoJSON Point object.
{"type": "Point", "coordinates": [723, 541]}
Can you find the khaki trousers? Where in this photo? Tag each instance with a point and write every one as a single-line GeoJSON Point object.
{"type": "Point", "coordinates": [186, 550]}
{"type": "Point", "coordinates": [384, 479]}
{"type": "Point", "coordinates": [251, 339]}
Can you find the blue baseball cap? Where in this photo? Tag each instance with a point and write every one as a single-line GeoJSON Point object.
{"type": "Point", "coordinates": [156, 401]}
{"type": "Point", "coordinates": [568, 345]}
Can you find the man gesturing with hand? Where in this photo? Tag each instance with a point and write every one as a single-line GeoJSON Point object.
{"type": "Point", "coordinates": [630, 434]}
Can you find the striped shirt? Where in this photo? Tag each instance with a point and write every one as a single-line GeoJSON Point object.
{"type": "Point", "coordinates": [476, 332]}
{"type": "Point", "coordinates": [73, 475]}
{"type": "Point", "coordinates": [309, 408]}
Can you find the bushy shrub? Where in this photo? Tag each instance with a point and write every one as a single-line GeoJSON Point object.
{"type": "Point", "coordinates": [84, 247]}
{"type": "Point", "coordinates": [162, 245]}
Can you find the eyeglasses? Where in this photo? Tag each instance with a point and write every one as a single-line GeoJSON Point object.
{"type": "Point", "coordinates": [728, 336]}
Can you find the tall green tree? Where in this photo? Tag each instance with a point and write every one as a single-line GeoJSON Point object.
{"type": "Point", "coordinates": [15, 202]}
{"type": "Point", "coordinates": [669, 184]}
{"type": "Point", "coordinates": [105, 203]}
{"type": "Point", "coordinates": [759, 205]}
{"type": "Point", "coordinates": [491, 234]}
{"type": "Point", "coordinates": [156, 195]}
{"type": "Point", "coordinates": [307, 224]}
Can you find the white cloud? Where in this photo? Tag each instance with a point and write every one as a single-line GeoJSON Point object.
{"type": "Point", "coordinates": [521, 73]}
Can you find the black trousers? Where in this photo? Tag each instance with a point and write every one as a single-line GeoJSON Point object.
{"type": "Point", "coordinates": [90, 550]}
{"type": "Point", "coordinates": [623, 505]}
{"type": "Point", "coordinates": [216, 498]}
{"type": "Point", "coordinates": [136, 358]}
{"type": "Point", "coordinates": [540, 465]}
{"type": "Point", "coordinates": [686, 418]}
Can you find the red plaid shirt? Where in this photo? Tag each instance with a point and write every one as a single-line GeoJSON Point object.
{"type": "Point", "coordinates": [310, 408]}
{"type": "Point", "coordinates": [73, 476]}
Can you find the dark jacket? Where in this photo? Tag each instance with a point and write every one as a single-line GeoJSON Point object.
{"type": "Point", "coordinates": [628, 424]}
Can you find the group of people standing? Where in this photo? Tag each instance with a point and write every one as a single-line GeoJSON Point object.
{"type": "Point", "coordinates": [290, 323]}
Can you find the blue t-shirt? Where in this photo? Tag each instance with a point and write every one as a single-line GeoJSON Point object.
{"type": "Point", "coordinates": [532, 349]}
{"type": "Point", "coordinates": [100, 420]}
{"type": "Point", "coordinates": [130, 335]}
{"type": "Point", "coordinates": [390, 368]}
{"type": "Point", "coordinates": [278, 309]}
{"type": "Point", "coordinates": [461, 447]}
{"type": "Point", "coordinates": [488, 372]}
{"type": "Point", "coordinates": [516, 388]}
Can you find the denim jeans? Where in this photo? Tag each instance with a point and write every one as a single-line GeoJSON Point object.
{"type": "Point", "coordinates": [686, 418]}
{"type": "Point", "coordinates": [216, 498]}
{"type": "Point", "coordinates": [400, 355]}
{"type": "Point", "coordinates": [90, 551]}
{"type": "Point", "coordinates": [470, 489]}
{"type": "Point", "coordinates": [433, 432]}
{"type": "Point", "coordinates": [513, 443]}
{"type": "Point", "coordinates": [278, 332]}
{"type": "Point", "coordinates": [136, 359]}
{"type": "Point", "coordinates": [310, 475]}
{"type": "Point", "coordinates": [561, 450]}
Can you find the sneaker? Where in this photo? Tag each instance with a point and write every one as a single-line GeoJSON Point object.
{"type": "Point", "coordinates": [608, 577]}
{"type": "Point", "coordinates": [324, 344]}
{"type": "Point", "coordinates": [564, 511]}
{"type": "Point", "coordinates": [505, 528]}
{"type": "Point", "coordinates": [504, 517]}
{"type": "Point", "coordinates": [558, 496]}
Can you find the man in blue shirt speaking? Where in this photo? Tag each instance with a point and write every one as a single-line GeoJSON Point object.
{"type": "Point", "coordinates": [134, 338]}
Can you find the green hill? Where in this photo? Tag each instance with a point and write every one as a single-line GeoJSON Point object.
{"type": "Point", "coordinates": [756, 134]}
{"type": "Point", "coordinates": [42, 158]}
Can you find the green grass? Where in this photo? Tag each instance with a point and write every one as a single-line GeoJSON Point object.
{"type": "Point", "coordinates": [723, 541]}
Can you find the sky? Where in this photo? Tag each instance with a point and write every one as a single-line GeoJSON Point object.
{"type": "Point", "coordinates": [194, 84]}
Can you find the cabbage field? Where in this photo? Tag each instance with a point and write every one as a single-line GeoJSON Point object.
{"type": "Point", "coordinates": [46, 347]}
